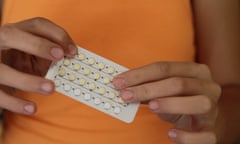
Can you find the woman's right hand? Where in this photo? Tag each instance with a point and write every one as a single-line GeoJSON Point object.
{"type": "Point", "coordinates": [26, 51]}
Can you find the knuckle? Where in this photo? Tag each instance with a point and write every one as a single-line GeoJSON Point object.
{"type": "Point", "coordinates": [5, 31]}
{"type": "Point", "coordinates": [218, 90]}
{"type": "Point", "coordinates": [39, 20]}
{"type": "Point", "coordinates": [62, 35]}
{"type": "Point", "coordinates": [41, 44]}
{"type": "Point", "coordinates": [206, 104]}
{"type": "Point", "coordinates": [214, 90]}
{"type": "Point", "coordinates": [212, 138]}
{"type": "Point", "coordinates": [162, 67]}
{"type": "Point", "coordinates": [179, 84]}
{"type": "Point", "coordinates": [146, 93]}
{"type": "Point", "coordinates": [204, 68]}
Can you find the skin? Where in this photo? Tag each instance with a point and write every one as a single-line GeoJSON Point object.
{"type": "Point", "coordinates": [200, 99]}
{"type": "Point", "coordinates": [218, 39]}
{"type": "Point", "coordinates": [33, 43]}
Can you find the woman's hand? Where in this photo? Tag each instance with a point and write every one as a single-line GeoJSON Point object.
{"type": "Point", "coordinates": [179, 92]}
{"type": "Point", "coordinates": [26, 51]}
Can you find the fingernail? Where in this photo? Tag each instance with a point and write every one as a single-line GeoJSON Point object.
{"type": "Point", "coordinates": [118, 83]}
{"type": "Point", "coordinates": [29, 108]}
{"type": "Point", "coordinates": [72, 49]}
{"type": "Point", "coordinates": [57, 53]}
{"type": "Point", "coordinates": [153, 105]}
{"type": "Point", "coordinates": [172, 134]}
{"type": "Point", "coordinates": [47, 87]}
{"type": "Point", "coordinates": [127, 95]}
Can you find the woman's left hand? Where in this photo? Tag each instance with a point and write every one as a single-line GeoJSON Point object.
{"type": "Point", "coordinates": [182, 93]}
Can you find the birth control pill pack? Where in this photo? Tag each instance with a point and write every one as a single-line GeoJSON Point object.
{"type": "Point", "coordinates": [87, 78]}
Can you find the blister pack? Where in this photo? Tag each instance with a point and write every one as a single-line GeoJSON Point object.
{"type": "Point", "coordinates": [87, 78]}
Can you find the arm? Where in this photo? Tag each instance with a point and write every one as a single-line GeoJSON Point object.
{"type": "Point", "coordinates": [1, 129]}
{"type": "Point", "coordinates": [186, 94]}
{"type": "Point", "coordinates": [218, 33]}
{"type": "Point", "coordinates": [1, 7]}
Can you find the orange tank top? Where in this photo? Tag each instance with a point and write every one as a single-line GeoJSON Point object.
{"type": "Point", "coordinates": [130, 32]}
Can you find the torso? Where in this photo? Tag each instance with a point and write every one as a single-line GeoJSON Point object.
{"type": "Point", "coordinates": [131, 33]}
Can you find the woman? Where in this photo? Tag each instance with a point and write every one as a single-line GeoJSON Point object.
{"type": "Point", "coordinates": [155, 39]}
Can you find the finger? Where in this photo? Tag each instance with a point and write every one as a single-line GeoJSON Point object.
{"type": "Point", "coordinates": [184, 137]}
{"type": "Point", "coordinates": [17, 105]}
{"type": "Point", "coordinates": [21, 61]}
{"type": "Point", "coordinates": [159, 71]}
{"type": "Point", "coordinates": [7, 89]}
{"type": "Point", "coordinates": [25, 82]}
{"type": "Point", "coordinates": [29, 63]}
{"type": "Point", "coordinates": [12, 37]}
{"type": "Point", "coordinates": [170, 87]}
{"type": "Point", "coordinates": [182, 105]}
{"type": "Point", "coordinates": [47, 29]}
{"type": "Point", "coordinates": [40, 66]}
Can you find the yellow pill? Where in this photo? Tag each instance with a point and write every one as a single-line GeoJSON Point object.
{"type": "Point", "coordinates": [101, 66]}
{"type": "Point", "coordinates": [61, 72]}
{"type": "Point", "coordinates": [67, 62]}
{"type": "Point", "coordinates": [82, 81]}
{"type": "Point", "coordinates": [102, 90]}
{"type": "Point", "coordinates": [106, 80]}
{"type": "Point", "coordinates": [72, 77]}
{"type": "Point", "coordinates": [120, 100]}
{"type": "Point", "coordinates": [111, 95]}
{"type": "Point", "coordinates": [86, 71]}
{"type": "Point", "coordinates": [92, 86]}
{"type": "Point", "coordinates": [81, 56]}
{"type": "Point", "coordinates": [96, 76]}
{"type": "Point", "coordinates": [91, 61]}
{"type": "Point", "coordinates": [111, 70]}
{"type": "Point", "coordinates": [76, 67]}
